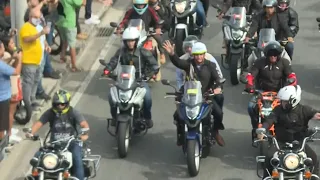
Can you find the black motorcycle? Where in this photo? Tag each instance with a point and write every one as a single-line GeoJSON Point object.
{"type": "Point", "coordinates": [54, 161]}
{"type": "Point", "coordinates": [290, 161]}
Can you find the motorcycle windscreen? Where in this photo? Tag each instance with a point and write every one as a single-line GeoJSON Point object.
{"type": "Point", "coordinates": [192, 95]}
{"type": "Point", "coordinates": [126, 76]}
{"type": "Point", "coordinates": [266, 35]}
{"type": "Point", "coordinates": [238, 17]}
{"type": "Point", "coordinates": [138, 23]}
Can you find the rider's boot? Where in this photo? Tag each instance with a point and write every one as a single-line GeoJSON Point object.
{"type": "Point", "coordinates": [149, 123]}
{"type": "Point", "coordinates": [218, 137]}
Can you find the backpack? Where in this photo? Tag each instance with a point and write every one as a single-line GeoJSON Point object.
{"type": "Point", "coordinates": [70, 118]}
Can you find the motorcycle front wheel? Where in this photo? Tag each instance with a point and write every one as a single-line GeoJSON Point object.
{"type": "Point", "coordinates": [193, 157]}
{"type": "Point", "coordinates": [123, 139]}
{"type": "Point", "coordinates": [179, 38]}
{"type": "Point", "coordinates": [235, 68]}
{"type": "Point", "coordinates": [23, 113]}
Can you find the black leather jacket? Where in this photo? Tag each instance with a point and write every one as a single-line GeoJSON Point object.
{"type": "Point", "coordinates": [250, 5]}
{"type": "Point", "coordinates": [292, 18]}
{"type": "Point", "coordinates": [147, 60]}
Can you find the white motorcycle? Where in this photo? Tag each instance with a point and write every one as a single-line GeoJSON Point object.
{"type": "Point", "coordinates": [184, 20]}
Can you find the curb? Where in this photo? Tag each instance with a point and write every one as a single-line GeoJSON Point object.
{"type": "Point", "coordinates": [16, 154]}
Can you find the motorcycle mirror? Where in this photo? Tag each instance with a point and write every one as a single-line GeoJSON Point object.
{"type": "Point", "coordinates": [26, 130]}
{"type": "Point", "coordinates": [113, 24]}
{"type": "Point", "coordinates": [102, 62]}
{"type": "Point", "coordinates": [291, 80]}
{"type": "Point", "coordinates": [261, 131]}
{"type": "Point", "coordinates": [161, 22]}
{"type": "Point", "coordinates": [165, 82]}
{"type": "Point", "coordinates": [84, 130]}
{"type": "Point", "coordinates": [216, 6]}
{"type": "Point", "coordinates": [318, 19]}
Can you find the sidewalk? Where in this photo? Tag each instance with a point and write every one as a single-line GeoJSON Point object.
{"type": "Point", "coordinates": [51, 85]}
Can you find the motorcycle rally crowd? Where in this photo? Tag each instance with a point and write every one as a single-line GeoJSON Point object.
{"type": "Point", "coordinates": [270, 78]}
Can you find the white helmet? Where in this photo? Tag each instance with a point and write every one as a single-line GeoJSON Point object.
{"type": "Point", "coordinates": [292, 94]}
{"type": "Point", "coordinates": [198, 48]}
{"type": "Point", "coordinates": [131, 33]}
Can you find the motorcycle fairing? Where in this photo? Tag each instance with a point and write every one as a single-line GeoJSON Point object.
{"type": "Point", "coordinates": [189, 9]}
{"type": "Point", "coordinates": [136, 98]}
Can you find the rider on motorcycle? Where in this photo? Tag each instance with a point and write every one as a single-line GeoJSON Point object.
{"type": "Point", "coordinates": [291, 15]}
{"type": "Point", "coordinates": [271, 70]}
{"type": "Point", "coordinates": [270, 19]}
{"type": "Point", "coordinates": [130, 55]}
{"type": "Point", "coordinates": [261, 46]}
{"type": "Point", "coordinates": [141, 10]}
{"type": "Point", "coordinates": [64, 121]}
{"type": "Point", "coordinates": [199, 68]}
{"type": "Point", "coordinates": [290, 121]}
{"type": "Point", "coordinates": [252, 6]}
{"type": "Point", "coordinates": [187, 46]}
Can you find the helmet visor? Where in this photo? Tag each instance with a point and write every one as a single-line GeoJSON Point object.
{"type": "Point", "coordinates": [187, 45]}
{"type": "Point", "coordinates": [140, 6]}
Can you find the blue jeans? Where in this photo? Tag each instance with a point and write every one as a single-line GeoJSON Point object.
{"type": "Point", "coordinates": [77, 167]}
{"type": "Point", "coordinates": [289, 48]}
{"type": "Point", "coordinates": [147, 104]}
{"type": "Point", "coordinates": [252, 112]}
{"type": "Point", "coordinates": [201, 15]}
{"type": "Point", "coordinates": [40, 89]}
{"type": "Point", "coordinates": [47, 66]}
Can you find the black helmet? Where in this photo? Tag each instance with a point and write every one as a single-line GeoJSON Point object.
{"type": "Point", "coordinates": [269, 3]}
{"type": "Point", "coordinates": [273, 48]}
{"type": "Point", "coordinates": [189, 41]}
{"type": "Point", "coordinates": [61, 97]}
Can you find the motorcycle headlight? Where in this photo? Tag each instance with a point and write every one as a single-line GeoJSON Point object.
{"type": "Point", "coordinates": [180, 6]}
{"type": "Point", "coordinates": [193, 112]}
{"type": "Point", "coordinates": [237, 34]}
{"type": "Point", "coordinates": [291, 161]}
{"type": "Point", "coordinates": [125, 96]}
{"type": "Point", "coordinates": [266, 111]}
{"type": "Point", "coordinates": [50, 161]}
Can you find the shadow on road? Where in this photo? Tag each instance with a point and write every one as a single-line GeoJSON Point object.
{"type": "Point", "coordinates": [155, 151]}
{"type": "Point", "coordinates": [238, 152]}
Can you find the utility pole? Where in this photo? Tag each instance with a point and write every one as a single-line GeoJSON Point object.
{"type": "Point", "coordinates": [18, 9]}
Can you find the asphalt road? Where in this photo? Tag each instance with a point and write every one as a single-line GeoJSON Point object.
{"type": "Point", "coordinates": [156, 156]}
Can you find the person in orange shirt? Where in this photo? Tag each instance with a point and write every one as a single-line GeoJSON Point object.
{"type": "Point", "coordinates": [32, 54]}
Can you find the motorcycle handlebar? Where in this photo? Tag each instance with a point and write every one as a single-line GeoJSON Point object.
{"type": "Point", "coordinates": [305, 140]}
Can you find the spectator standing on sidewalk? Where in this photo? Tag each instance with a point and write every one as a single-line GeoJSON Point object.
{"type": "Point", "coordinates": [12, 57]}
{"type": "Point", "coordinates": [48, 11]}
{"type": "Point", "coordinates": [32, 56]}
{"type": "Point", "coordinates": [5, 91]}
{"type": "Point", "coordinates": [68, 29]}
{"type": "Point", "coordinates": [89, 19]}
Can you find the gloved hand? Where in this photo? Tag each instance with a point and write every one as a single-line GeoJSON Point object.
{"type": "Point", "coordinates": [293, 77]}
{"type": "Point", "coordinates": [106, 72]}
{"type": "Point", "coordinates": [249, 86]}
